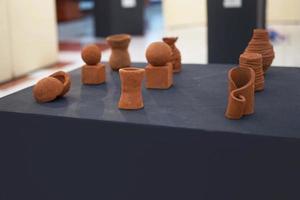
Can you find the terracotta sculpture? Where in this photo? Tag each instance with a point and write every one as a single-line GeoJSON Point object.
{"type": "Point", "coordinates": [64, 78]}
{"type": "Point", "coordinates": [93, 72]}
{"type": "Point", "coordinates": [131, 88]}
{"type": "Point", "coordinates": [176, 55]}
{"type": "Point", "coordinates": [241, 92]}
{"type": "Point", "coordinates": [260, 43]}
{"type": "Point", "coordinates": [119, 57]}
{"type": "Point", "coordinates": [52, 87]}
{"type": "Point", "coordinates": [254, 61]}
{"type": "Point", "coordinates": [159, 71]}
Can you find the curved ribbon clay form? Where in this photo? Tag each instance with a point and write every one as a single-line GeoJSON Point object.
{"type": "Point", "coordinates": [131, 88]}
{"type": "Point", "coordinates": [241, 92]}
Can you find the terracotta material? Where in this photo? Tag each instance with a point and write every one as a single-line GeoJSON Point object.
{"type": "Point", "coordinates": [254, 61]}
{"type": "Point", "coordinates": [65, 79]}
{"type": "Point", "coordinates": [159, 71]}
{"type": "Point", "coordinates": [158, 54]}
{"type": "Point", "coordinates": [119, 57]}
{"type": "Point", "coordinates": [241, 92]}
{"type": "Point", "coordinates": [47, 89]}
{"type": "Point", "coordinates": [176, 55]}
{"type": "Point", "coordinates": [260, 43]}
{"type": "Point", "coordinates": [93, 73]}
{"type": "Point", "coordinates": [131, 88]}
{"type": "Point", "coordinates": [91, 54]}
{"type": "Point", "coordinates": [159, 77]}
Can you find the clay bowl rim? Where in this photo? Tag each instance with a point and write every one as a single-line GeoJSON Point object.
{"type": "Point", "coordinates": [132, 69]}
{"type": "Point", "coordinates": [118, 37]}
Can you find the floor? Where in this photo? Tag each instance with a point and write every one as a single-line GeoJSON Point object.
{"type": "Point", "coordinates": [192, 43]}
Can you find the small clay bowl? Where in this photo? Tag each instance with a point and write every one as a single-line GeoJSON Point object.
{"type": "Point", "coordinates": [64, 78]}
{"type": "Point", "coordinates": [47, 89]}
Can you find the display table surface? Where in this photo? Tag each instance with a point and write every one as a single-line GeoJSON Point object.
{"type": "Point", "coordinates": [180, 146]}
{"type": "Point", "coordinates": [198, 100]}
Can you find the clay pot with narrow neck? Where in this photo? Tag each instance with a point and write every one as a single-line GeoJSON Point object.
{"type": "Point", "coordinates": [240, 92]}
{"type": "Point", "coordinates": [119, 57]}
{"type": "Point", "coordinates": [131, 88]}
{"type": "Point", "coordinates": [260, 43]}
{"type": "Point", "coordinates": [176, 55]}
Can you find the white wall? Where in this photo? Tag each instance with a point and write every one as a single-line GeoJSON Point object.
{"type": "Point", "coordinates": [184, 13]}
{"type": "Point", "coordinates": [33, 34]}
{"type": "Point", "coordinates": [28, 36]}
{"type": "Point", "coordinates": [5, 50]}
{"type": "Point", "coordinates": [178, 13]}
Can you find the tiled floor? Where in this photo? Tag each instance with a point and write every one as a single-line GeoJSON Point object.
{"type": "Point", "coordinates": [192, 43]}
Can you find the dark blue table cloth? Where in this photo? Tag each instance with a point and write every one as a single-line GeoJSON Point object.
{"type": "Point", "coordinates": [180, 146]}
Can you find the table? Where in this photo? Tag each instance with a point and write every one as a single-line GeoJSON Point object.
{"type": "Point", "coordinates": [180, 146]}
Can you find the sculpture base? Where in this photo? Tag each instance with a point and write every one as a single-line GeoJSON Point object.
{"type": "Point", "coordinates": [93, 74]}
{"type": "Point", "coordinates": [159, 77]}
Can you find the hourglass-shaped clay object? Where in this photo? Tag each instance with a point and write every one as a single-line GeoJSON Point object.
{"type": "Point", "coordinates": [241, 92]}
{"type": "Point", "coordinates": [93, 72]}
{"type": "Point", "coordinates": [119, 57]}
{"type": "Point", "coordinates": [131, 88]}
{"type": "Point", "coordinates": [176, 55]}
{"type": "Point", "coordinates": [159, 71]}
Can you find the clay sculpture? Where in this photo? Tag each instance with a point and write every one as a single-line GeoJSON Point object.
{"type": "Point", "coordinates": [176, 55]}
{"type": "Point", "coordinates": [254, 61]}
{"type": "Point", "coordinates": [159, 71]}
{"type": "Point", "coordinates": [241, 92]}
{"type": "Point", "coordinates": [260, 43]}
{"type": "Point", "coordinates": [64, 78]}
{"type": "Point", "coordinates": [131, 88]}
{"type": "Point", "coordinates": [52, 87]}
{"type": "Point", "coordinates": [93, 73]}
{"type": "Point", "coordinates": [119, 57]}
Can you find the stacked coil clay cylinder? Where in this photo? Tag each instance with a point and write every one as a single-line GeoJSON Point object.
{"type": "Point", "coordinates": [260, 43]}
{"type": "Point", "coordinates": [254, 61]}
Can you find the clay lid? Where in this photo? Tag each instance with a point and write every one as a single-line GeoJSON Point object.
{"type": "Point", "coordinates": [47, 89]}
{"type": "Point", "coordinates": [91, 54]}
{"type": "Point", "coordinates": [158, 54]}
{"type": "Point", "coordinates": [170, 40]}
{"type": "Point", "coordinates": [64, 78]}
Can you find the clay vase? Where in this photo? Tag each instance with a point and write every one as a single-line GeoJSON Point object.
{"type": "Point", "coordinates": [176, 55]}
{"type": "Point", "coordinates": [260, 43]}
{"type": "Point", "coordinates": [131, 88]}
{"type": "Point", "coordinates": [241, 92]}
{"type": "Point", "coordinates": [119, 57]}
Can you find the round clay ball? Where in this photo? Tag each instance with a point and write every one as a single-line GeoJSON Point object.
{"type": "Point", "coordinates": [91, 54]}
{"type": "Point", "coordinates": [47, 89]}
{"type": "Point", "coordinates": [158, 54]}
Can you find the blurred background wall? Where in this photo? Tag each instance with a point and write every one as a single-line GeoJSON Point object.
{"type": "Point", "coordinates": [29, 35]}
